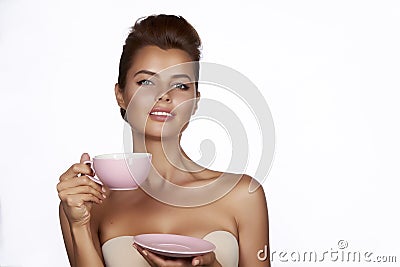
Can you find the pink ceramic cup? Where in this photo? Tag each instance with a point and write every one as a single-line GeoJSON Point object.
{"type": "Point", "coordinates": [121, 171]}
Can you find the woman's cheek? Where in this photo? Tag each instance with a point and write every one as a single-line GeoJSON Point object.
{"type": "Point", "coordinates": [137, 112]}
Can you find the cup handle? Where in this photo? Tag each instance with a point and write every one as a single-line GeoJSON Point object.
{"type": "Point", "coordinates": [93, 178]}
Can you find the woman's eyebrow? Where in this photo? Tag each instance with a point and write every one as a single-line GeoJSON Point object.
{"type": "Point", "coordinates": [146, 72]}
{"type": "Point", "coordinates": [181, 76]}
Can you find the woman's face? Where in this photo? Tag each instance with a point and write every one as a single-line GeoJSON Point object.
{"type": "Point", "coordinates": [160, 95]}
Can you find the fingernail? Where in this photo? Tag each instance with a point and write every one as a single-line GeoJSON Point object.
{"type": "Point", "coordinates": [104, 196]}
{"type": "Point", "coordinates": [196, 262]}
{"type": "Point", "coordinates": [103, 189]}
{"type": "Point", "coordinates": [144, 252]}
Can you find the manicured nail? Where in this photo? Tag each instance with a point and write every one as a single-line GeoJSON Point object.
{"type": "Point", "coordinates": [103, 189]}
{"type": "Point", "coordinates": [104, 196]}
{"type": "Point", "coordinates": [144, 252]}
{"type": "Point", "coordinates": [196, 262]}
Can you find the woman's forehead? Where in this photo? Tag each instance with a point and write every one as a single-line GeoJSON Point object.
{"type": "Point", "coordinates": [165, 63]}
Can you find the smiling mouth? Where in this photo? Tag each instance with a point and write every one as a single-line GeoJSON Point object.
{"type": "Point", "coordinates": [161, 116]}
{"type": "Point", "coordinates": [161, 113]}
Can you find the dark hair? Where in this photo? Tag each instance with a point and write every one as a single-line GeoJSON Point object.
{"type": "Point", "coordinates": [163, 31]}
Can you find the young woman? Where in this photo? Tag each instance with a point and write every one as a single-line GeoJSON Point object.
{"type": "Point", "coordinates": [98, 224]}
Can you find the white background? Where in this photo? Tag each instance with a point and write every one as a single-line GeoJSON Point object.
{"type": "Point", "coordinates": [329, 71]}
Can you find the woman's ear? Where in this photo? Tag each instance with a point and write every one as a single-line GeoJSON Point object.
{"type": "Point", "coordinates": [197, 101]}
{"type": "Point", "coordinates": [119, 96]}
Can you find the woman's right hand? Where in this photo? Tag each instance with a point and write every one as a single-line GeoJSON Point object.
{"type": "Point", "coordinates": [78, 193]}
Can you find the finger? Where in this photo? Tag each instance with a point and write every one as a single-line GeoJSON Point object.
{"type": "Point", "coordinates": [78, 181]}
{"type": "Point", "coordinates": [84, 157]}
{"type": "Point", "coordinates": [85, 189]}
{"type": "Point", "coordinates": [88, 198]}
{"type": "Point", "coordinates": [80, 199]}
{"type": "Point", "coordinates": [158, 260]}
{"type": "Point", "coordinates": [205, 259]}
{"type": "Point", "coordinates": [161, 261]}
{"type": "Point", "coordinates": [151, 258]}
{"type": "Point", "coordinates": [75, 169]}
{"type": "Point", "coordinates": [106, 190]}
{"type": "Point", "coordinates": [143, 253]}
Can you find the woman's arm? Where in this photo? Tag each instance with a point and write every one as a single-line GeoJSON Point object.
{"type": "Point", "coordinates": [79, 195]}
{"type": "Point", "coordinates": [252, 220]}
{"type": "Point", "coordinates": [82, 247]}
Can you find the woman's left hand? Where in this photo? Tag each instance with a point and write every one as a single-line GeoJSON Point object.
{"type": "Point", "coordinates": [155, 260]}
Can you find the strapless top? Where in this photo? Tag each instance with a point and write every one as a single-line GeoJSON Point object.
{"type": "Point", "coordinates": [119, 252]}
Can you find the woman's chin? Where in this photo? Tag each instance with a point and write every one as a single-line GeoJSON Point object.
{"type": "Point", "coordinates": [162, 135]}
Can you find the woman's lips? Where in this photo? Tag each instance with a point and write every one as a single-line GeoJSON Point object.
{"type": "Point", "coordinates": [160, 114]}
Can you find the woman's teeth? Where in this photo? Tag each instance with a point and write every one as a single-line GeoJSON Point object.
{"type": "Point", "coordinates": [161, 113]}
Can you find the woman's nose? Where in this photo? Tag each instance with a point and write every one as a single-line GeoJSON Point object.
{"type": "Point", "coordinates": [165, 97]}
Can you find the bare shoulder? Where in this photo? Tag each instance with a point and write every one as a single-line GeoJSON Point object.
{"type": "Point", "coordinates": [243, 186]}
{"type": "Point", "coordinates": [251, 215]}
{"type": "Point", "coordinates": [247, 191]}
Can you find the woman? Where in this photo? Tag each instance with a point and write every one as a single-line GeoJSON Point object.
{"type": "Point", "coordinates": [98, 224]}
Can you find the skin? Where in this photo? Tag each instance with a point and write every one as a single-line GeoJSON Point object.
{"type": "Point", "coordinates": [90, 214]}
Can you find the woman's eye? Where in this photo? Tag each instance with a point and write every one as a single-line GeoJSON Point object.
{"type": "Point", "coordinates": [180, 86]}
{"type": "Point", "coordinates": [144, 82]}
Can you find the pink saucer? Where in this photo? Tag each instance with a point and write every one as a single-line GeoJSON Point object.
{"type": "Point", "coordinates": [174, 245]}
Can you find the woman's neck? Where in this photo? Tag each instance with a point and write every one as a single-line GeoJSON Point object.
{"type": "Point", "coordinates": [168, 157]}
